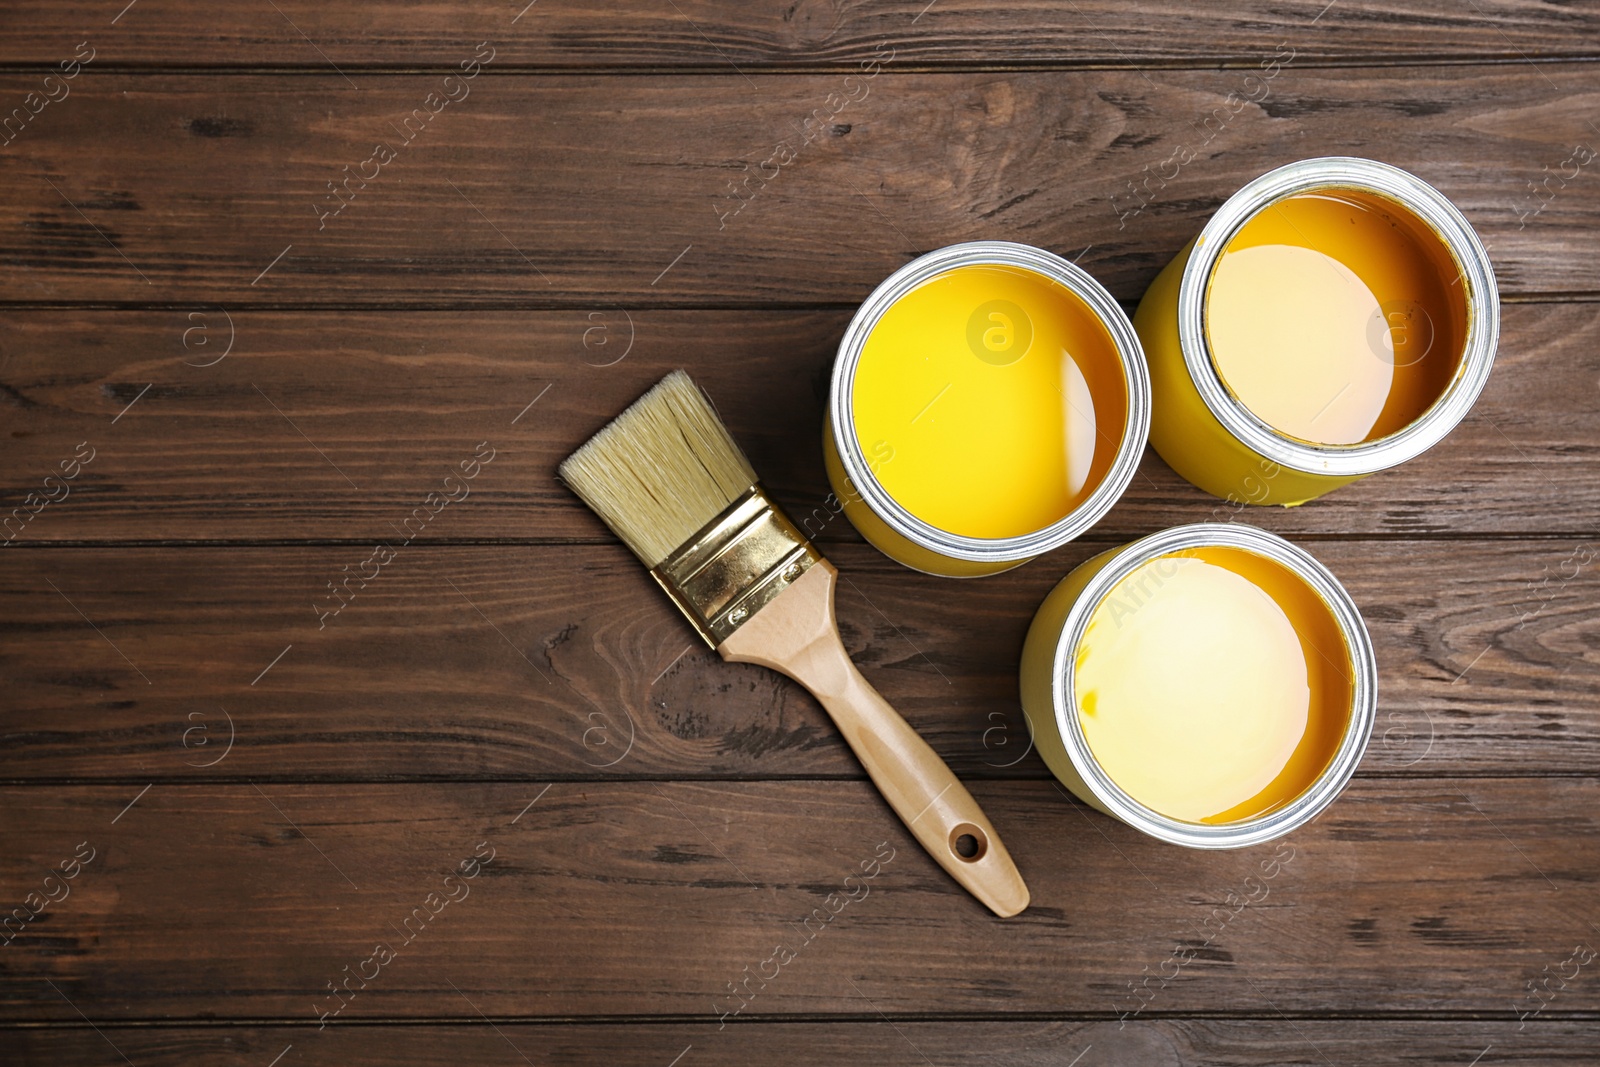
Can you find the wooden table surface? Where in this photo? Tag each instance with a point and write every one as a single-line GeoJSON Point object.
{"type": "Point", "coordinates": [240, 344]}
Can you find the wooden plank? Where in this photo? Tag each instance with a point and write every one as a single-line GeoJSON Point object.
{"type": "Point", "coordinates": [714, 34]}
{"type": "Point", "coordinates": [1270, 1040]}
{"type": "Point", "coordinates": [337, 424]}
{"type": "Point", "coordinates": [562, 190]}
{"type": "Point", "coordinates": [653, 898]}
{"type": "Point", "coordinates": [567, 662]}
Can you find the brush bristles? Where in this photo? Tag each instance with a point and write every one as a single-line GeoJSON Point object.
{"type": "Point", "coordinates": [661, 470]}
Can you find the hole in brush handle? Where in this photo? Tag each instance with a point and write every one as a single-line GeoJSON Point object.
{"type": "Point", "coordinates": [968, 842]}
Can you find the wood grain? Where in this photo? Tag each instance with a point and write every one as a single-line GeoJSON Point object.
{"type": "Point", "coordinates": [1264, 1041]}
{"type": "Point", "coordinates": [333, 425]}
{"type": "Point", "coordinates": [568, 662]}
{"type": "Point", "coordinates": [558, 190]}
{"type": "Point", "coordinates": [633, 899]}
{"type": "Point", "coordinates": [724, 35]}
{"type": "Point", "coordinates": [270, 787]}
{"type": "Point", "coordinates": [798, 635]}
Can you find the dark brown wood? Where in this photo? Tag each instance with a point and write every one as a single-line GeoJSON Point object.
{"type": "Point", "coordinates": [335, 425]}
{"type": "Point", "coordinates": [650, 898]}
{"type": "Point", "coordinates": [221, 402]}
{"type": "Point", "coordinates": [724, 35]}
{"type": "Point", "coordinates": [568, 661]}
{"type": "Point", "coordinates": [1264, 1041]}
{"type": "Point", "coordinates": [710, 190]}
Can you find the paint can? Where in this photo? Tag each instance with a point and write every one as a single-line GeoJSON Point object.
{"type": "Point", "coordinates": [1212, 430]}
{"type": "Point", "coordinates": [1060, 644]}
{"type": "Point", "coordinates": [989, 403]}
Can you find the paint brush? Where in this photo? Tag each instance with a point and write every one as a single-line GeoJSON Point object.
{"type": "Point", "coordinates": [669, 480]}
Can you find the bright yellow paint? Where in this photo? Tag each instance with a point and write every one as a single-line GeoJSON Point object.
{"type": "Point", "coordinates": [1332, 317]}
{"type": "Point", "coordinates": [846, 498]}
{"type": "Point", "coordinates": [1213, 685]}
{"type": "Point", "coordinates": [990, 401]}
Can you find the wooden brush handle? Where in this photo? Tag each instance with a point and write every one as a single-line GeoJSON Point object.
{"type": "Point", "coordinates": [798, 635]}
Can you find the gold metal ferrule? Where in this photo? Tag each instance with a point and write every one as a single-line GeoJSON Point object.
{"type": "Point", "coordinates": [736, 564]}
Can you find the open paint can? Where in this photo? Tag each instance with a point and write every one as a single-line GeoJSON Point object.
{"type": "Point", "coordinates": [1211, 685]}
{"type": "Point", "coordinates": [1336, 317]}
{"type": "Point", "coordinates": [990, 402]}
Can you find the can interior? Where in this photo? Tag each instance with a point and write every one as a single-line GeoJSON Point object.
{"type": "Point", "coordinates": [1336, 316]}
{"type": "Point", "coordinates": [989, 401]}
{"type": "Point", "coordinates": [1200, 740]}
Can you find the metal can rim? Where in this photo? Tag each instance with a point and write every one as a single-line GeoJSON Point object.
{"type": "Point", "coordinates": [1434, 210]}
{"type": "Point", "coordinates": [1130, 356]}
{"type": "Point", "coordinates": [1363, 697]}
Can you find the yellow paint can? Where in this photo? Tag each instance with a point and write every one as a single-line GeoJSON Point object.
{"type": "Point", "coordinates": [989, 403]}
{"type": "Point", "coordinates": [1211, 685]}
{"type": "Point", "coordinates": [1335, 318]}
